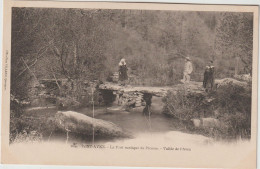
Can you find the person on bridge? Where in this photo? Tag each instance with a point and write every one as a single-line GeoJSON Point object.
{"type": "Point", "coordinates": [122, 71]}
{"type": "Point", "coordinates": [187, 70]}
{"type": "Point", "coordinates": [209, 77]}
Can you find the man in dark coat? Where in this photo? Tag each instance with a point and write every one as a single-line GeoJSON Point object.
{"type": "Point", "coordinates": [209, 77]}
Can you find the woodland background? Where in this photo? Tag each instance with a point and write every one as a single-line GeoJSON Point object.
{"type": "Point", "coordinates": [86, 45]}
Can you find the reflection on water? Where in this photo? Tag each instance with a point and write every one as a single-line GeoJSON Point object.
{"type": "Point", "coordinates": [138, 123]}
{"type": "Point", "coordinates": [134, 122]}
{"type": "Point", "coordinates": [143, 127]}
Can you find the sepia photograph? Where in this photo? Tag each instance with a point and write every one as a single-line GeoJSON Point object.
{"type": "Point", "coordinates": [147, 81]}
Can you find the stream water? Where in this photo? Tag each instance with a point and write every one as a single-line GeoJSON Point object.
{"type": "Point", "coordinates": [156, 128]}
{"type": "Point", "coordinates": [157, 134]}
{"type": "Point", "coordinates": [143, 128]}
{"type": "Point", "coordinates": [138, 123]}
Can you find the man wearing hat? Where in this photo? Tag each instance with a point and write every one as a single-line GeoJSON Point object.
{"type": "Point", "coordinates": [187, 70]}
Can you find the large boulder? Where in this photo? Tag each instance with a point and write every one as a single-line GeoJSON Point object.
{"type": "Point", "coordinates": [70, 121]}
{"type": "Point", "coordinates": [206, 122]}
{"type": "Point", "coordinates": [229, 81]}
{"type": "Point", "coordinates": [244, 77]}
{"type": "Point", "coordinates": [117, 110]}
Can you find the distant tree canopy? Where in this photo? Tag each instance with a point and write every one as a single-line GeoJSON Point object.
{"type": "Point", "coordinates": [235, 38]}
{"type": "Point", "coordinates": [83, 44]}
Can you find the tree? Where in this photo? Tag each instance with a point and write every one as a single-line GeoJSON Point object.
{"type": "Point", "coordinates": [234, 38]}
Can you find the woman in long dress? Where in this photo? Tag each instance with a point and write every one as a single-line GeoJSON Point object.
{"type": "Point", "coordinates": [122, 71]}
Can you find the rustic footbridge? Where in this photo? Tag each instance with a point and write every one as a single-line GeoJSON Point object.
{"type": "Point", "coordinates": [146, 93]}
{"type": "Point", "coordinates": [191, 87]}
{"type": "Point", "coordinates": [142, 95]}
{"type": "Point", "coordinates": [154, 91]}
{"type": "Point", "coordinates": [147, 96]}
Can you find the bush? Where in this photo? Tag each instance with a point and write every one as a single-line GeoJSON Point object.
{"type": "Point", "coordinates": [24, 136]}
{"type": "Point", "coordinates": [234, 104]}
{"type": "Point", "coordinates": [67, 102]}
{"type": "Point", "coordinates": [183, 106]}
{"type": "Point", "coordinates": [230, 104]}
{"type": "Point", "coordinates": [27, 128]}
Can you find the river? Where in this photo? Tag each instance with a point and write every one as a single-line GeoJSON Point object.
{"type": "Point", "coordinates": [159, 136]}
{"type": "Point", "coordinates": [142, 127]}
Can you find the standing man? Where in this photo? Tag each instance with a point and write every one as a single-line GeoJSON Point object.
{"type": "Point", "coordinates": [187, 70]}
{"type": "Point", "coordinates": [209, 77]}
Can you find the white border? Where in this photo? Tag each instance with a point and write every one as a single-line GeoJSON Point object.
{"type": "Point", "coordinates": [231, 2]}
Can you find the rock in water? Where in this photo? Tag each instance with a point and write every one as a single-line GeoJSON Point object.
{"type": "Point", "coordinates": [196, 122]}
{"type": "Point", "coordinates": [211, 122]}
{"type": "Point", "coordinates": [81, 124]}
{"type": "Point", "coordinates": [117, 109]}
{"type": "Point", "coordinates": [206, 122]}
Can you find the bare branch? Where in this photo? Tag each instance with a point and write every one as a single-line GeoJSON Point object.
{"type": "Point", "coordinates": [30, 70]}
{"type": "Point", "coordinates": [38, 56]}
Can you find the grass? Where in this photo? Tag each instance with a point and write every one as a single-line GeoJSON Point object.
{"type": "Point", "coordinates": [34, 125]}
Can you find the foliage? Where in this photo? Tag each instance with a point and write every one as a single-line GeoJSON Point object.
{"type": "Point", "coordinates": [234, 105]}
{"type": "Point", "coordinates": [33, 136]}
{"type": "Point", "coordinates": [230, 104]}
{"type": "Point", "coordinates": [235, 39]}
{"type": "Point", "coordinates": [82, 45]}
{"type": "Point", "coordinates": [16, 109]}
{"type": "Point", "coordinates": [32, 127]}
{"type": "Point", "coordinates": [67, 102]}
{"type": "Point", "coordinates": [182, 105]}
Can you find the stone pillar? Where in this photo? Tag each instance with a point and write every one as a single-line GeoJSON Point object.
{"type": "Point", "coordinates": [148, 100]}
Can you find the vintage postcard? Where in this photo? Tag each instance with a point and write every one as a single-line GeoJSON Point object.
{"type": "Point", "coordinates": [129, 84]}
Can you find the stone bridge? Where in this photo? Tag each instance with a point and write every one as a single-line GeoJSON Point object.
{"type": "Point", "coordinates": [144, 97]}
{"type": "Point", "coordinates": [154, 91]}
{"type": "Point", "coordinates": [137, 96]}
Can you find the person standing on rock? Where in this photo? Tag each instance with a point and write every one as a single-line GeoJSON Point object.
{"type": "Point", "coordinates": [209, 77]}
{"type": "Point", "coordinates": [187, 70]}
{"type": "Point", "coordinates": [122, 71]}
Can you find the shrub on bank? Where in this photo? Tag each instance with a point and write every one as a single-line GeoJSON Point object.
{"type": "Point", "coordinates": [24, 136]}
{"type": "Point", "coordinates": [234, 106]}
{"type": "Point", "coordinates": [183, 105]}
{"type": "Point", "coordinates": [230, 104]}
{"type": "Point", "coordinates": [31, 129]}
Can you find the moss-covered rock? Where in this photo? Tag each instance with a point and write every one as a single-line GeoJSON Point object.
{"type": "Point", "coordinates": [70, 121]}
